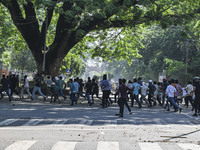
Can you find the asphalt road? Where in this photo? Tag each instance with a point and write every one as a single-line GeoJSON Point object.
{"type": "Point", "coordinates": [40, 125]}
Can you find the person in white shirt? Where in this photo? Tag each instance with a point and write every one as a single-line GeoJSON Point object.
{"type": "Point", "coordinates": [25, 87]}
{"type": "Point", "coordinates": [144, 89]}
{"type": "Point", "coordinates": [170, 92]}
{"type": "Point", "coordinates": [188, 97]}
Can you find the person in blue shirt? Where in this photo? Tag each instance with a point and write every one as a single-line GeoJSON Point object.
{"type": "Point", "coordinates": [105, 87]}
{"type": "Point", "coordinates": [135, 87]}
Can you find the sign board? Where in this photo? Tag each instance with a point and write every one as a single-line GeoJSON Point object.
{"type": "Point", "coordinates": [68, 71]}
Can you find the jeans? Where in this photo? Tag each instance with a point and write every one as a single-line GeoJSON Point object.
{"type": "Point", "coordinates": [37, 88]}
{"type": "Point", "coordinates": [72, 97]}
{"type": "Point", "coordinates": [171, 99]}
{"type": "Point", "coordinates": [61, 93]}
{"type": "Point", "coordinates": [133, 96]}
{"type": "Point", "coordinates": [27, 90]}
{"type": "Point", "coordinates": [88, 97]}
{"type": "Point", "coordinates": [7, 92]}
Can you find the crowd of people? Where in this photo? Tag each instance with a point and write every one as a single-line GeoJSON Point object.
{"type": "Point", "coordinates": [168, 94]}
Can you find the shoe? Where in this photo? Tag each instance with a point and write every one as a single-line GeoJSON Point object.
{"type": "Point", "coordinates": [45, 98]}
{"type": "Point", "coordinates": [175, 110]}
{"type": "Point", "coordinates": [195, 114]}
{"type": "Point", "coordinates": [121, 116]}
{"type": "Point", "coordinates": [117, 114]}
{"type": "Point", "coordinates": [140, 106]}
{"type": "Point", "coordinates": [168, 109]}
{"type": "Point", "coordinates": [90, 104]}
{"type": "Point", "coordinates": [180, 110]}
{"type": "Point", "coordinates": [130, 112]}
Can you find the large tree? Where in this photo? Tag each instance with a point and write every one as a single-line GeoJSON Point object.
{"type": "Point", "coordinates": [74, 19]}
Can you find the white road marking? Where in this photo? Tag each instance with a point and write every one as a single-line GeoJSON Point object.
{"type": "Point", "coordinates": [108, 146]}
{"type": "Point", "coordinates": [21, 145]}
{"type": "Point", "coordinates": [188, 146]}
{"type": "Point", "coordinates": [149, 146]}
{"type": "Point", "coordinates": [33, 122]}
{"type": "Point", "coordinates": [8, 122]}
{"type": "Point", "coordinates": [62, 145]}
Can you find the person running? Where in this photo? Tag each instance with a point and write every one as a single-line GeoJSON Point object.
{"type": "Point", "coordinates": [25, 86]}
{"type": "Point", "coordinates": [105, 87]}
{"type": "Point", "coordinates": [122, 92]}
{"type": "Point", "coordinates": [72, 91]}
{"type": "Point", "coordinates": [61, 85]}
{"type": "Point", "coordinates": [197, 96]}
{"type": "Point", "coordinates": [144, 89]}
{"type": "Point", "coordinates": [88, 87]}
{"type": "Point", "coordinates": [135, 87]}
{"type": "Point", "coordinates": [188, 98]}
{"type": "Point", "coordinates": [151, 88]}
{"type": "Point", "coordinates": [48, 83]}
{"type": "Point", "coordinates": [170, 92]}
{"type": "Point", "coordinates": [95, 90]}
{"type": "Point", "coordinates": [37, 87]}
{"type": "Point", "coordinates": [77, 86]}
{"type": "Point", "coordinates": [164, 87]}
{"type": "Point", "coordinates": [81, 85]}
{"type": "Point", "coordinates": [5, 87]}
{"type": "Point", "coordinates": [54, 93]}
{"type": "Point", "coordinates": [14, 83]}
{"type": "Point", "coordinates": [178, 92]}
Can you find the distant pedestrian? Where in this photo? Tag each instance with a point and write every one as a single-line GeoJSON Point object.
{"type": "Point", "coordinates": [152, 89]}
{"type": "Point", "coordinates": [105, 87]}
{"type": "Point", "coordinates": [5, 87]}
{"type": "Point", "coordinates": [170, 92]}
{"type": "Point", "coordinates": [61, 85]}
{"type": "Point", "coordinates": [197, 96]}
{"type": "Point", "coordinates": [135, 87]}
{"type": "Point", "coordinates": [95, 90]}
{"type": "Point", "coordinates": [25, 87]}
{"type": "Point", "coordinates": [48, 83]}
{"type": "Point", "coordinates": [122, 92]}
{"type": "Point", "coordinates": [88, 88]}
{"type": "Point", "coordinates": [37, 87]}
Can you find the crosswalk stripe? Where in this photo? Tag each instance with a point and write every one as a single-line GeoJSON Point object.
{"type": "Point", "coordinates": [21, 145]}
{"type": "Point", "coordinates": [108, 146]}
{"type": "Point", "coordinates": [57, 122]}
{"type": "Point", "coordinates": [62, 145]}
{"type": "Point", "coordinates": [33, 122]}
{"type": "Point", "coordinates": [8, 122]}
{"type": "Point", "coordinates": [188, 146]}
{"type": "Point", "coordinates": [189, 124]}
{"type": "Point", "coordinates": [149, 146]}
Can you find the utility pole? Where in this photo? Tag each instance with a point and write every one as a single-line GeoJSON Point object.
{"type": "Point", "coordinates": [45, 37]}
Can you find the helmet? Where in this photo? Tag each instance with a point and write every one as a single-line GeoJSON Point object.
{"type": "Point", "coordinates": [196, 79]}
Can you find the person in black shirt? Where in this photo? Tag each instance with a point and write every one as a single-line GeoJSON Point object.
{"type": "Point", "coordinates": [95, 90]}
{"type": "Point", "coordinates": [197, 96]}
{"type": "Point", "coordinates": [88, 87]}
{"type": "Point", "coordinates": [5, 87]}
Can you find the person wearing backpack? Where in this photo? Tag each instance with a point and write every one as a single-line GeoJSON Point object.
{"type": "Point", "coordinates": [37, 87]}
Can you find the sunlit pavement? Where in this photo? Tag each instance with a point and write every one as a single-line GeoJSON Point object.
{"type": "Point", "coordinates": [41, 125]}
